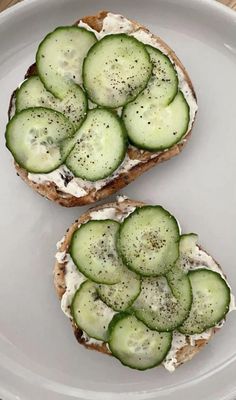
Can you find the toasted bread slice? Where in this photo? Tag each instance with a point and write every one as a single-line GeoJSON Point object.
{"type": "Point", "coordinates": [146, 159]}
{"type": "Point", "coordinates": [185, 353]}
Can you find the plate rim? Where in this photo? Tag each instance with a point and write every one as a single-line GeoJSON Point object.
{"type": "Point", "coordinates": [5, 18]}
{"type": "Point", "coordinates": [24, 4]}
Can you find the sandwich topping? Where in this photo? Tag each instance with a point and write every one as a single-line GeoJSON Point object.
{"type": "Point", "coordinates": [135, 283]}
{"type": "Point", "coordinates": [82, 74]}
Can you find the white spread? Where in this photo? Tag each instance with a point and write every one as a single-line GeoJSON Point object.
{"type": "Point", "coordinates": [112, 213]}
{"type": "Point", "coordinates": [90, 340]}
{"type": "Point", "coordinates": [105, 213]}
{"type": "Point", "coordinates": [57, 177]}
{"type": "Point", "coordinates": [12, 110]}
{"type": "Point", "coordinates": [120, 198]}
{"type": "Point", "coordinates": [61, 256]}
{"type": "Point", "coordinates": [178, 342]}
{"type": "Point", "coordinates": [77, 187]}
{"type": "Point", "coordinates": [112, 24]}
{"type": "Point", "coordinates": [201, 259]}
{"type": "Point", "coordinates": [73, 280]}
{"type": "Point", "coordinates": [66, 182]}
{"type": "Point", "coordinates": [59, 243]}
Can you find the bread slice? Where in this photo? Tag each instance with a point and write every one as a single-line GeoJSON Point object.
{"type": "Point", "coordinates": [146, 159]}
{"type": "Point", "coordinates": [185, 353]}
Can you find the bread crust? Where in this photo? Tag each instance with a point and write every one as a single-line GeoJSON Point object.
{"type": "Point", "coordinates": [184, 354]}
{"type": "Point", "coordinates": [147, 159]}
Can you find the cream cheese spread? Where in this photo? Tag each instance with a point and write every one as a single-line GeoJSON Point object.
{"type": "Point", "coordinates": [73, 280]}
{"type": "Point", "coordinates": [12, 110]}
{"type": "Point", "coordinates": [90, 340]}
{"type": "Point", "coordinates": [62, 177]}
{"type": "Point", "coordinates": [200, 259]}
{"type": "Point", "coordinates": [178, 342]}
{"type": "Point", "coordinates": [68, 183]}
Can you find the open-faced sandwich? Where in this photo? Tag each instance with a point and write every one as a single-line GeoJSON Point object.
{"type": "Point", "coordinates": [136, 288]}
{"type": "Point", "coordinates": [105, 101]}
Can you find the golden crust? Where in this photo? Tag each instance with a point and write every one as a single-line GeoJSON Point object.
{"type": "Point", "coordinates": [184, 354]}
{"type": "Point", "coordinates": [147, 159]}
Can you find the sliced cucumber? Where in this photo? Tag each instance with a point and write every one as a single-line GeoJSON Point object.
{"type": "Point", "coordinates": [32, 93]}
{"type": "Point", "coordinates": [163, 84]}
{"type": "Point", "coordinates": [60, 58]}
{"type": "Point", "coordinates": [187, 248]}
{"type": "Point", "coordinates": [149, 241]}
{"type": "Point", "coordinates": [152, 126]}
{"type": "Point", "coordinates": [39, 139]}
{"type": "Point", "coordinates": [93, 250]}
{"type": "Point", "coordinates": [180, 286]}
{"type": "Point", "coordinates": [211, 299]}
{"type": "Point", "coordinates": [164, 304]}
{"type": "Point", "coordinates": [116, 70]}
{"type": "Point", "coordinates": [90, 313]}
{"type": "Point", "coordinates": [187, 244]}
{"type": "Point", "coordinates": [135, 345]}
{"type": "Point", "coordinates": [121, 295]}
{"type": "Point", "coordinates": [100, 146]}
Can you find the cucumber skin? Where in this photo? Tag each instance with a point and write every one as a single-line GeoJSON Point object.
{"type": "Point", "coordinates": [128, 310]}
{"type": "Point", "coordinates": [76, 127]}
{"type": "Point", "coordinates": [28, 109]}
{"type": "Point", "coordinates": [72, 310]}
{"type": "Point", "coordinates": [129, 101]}
{"type": "Point", "coordinates": [160, 148]}
{"type": "Point", "coordinates": [119, 317]}
{"type": "Point", "coordinates": [118, 239]}
{"type": "Point", "coordinates": [126, 143]}
{"type": "Point", "coordinates": [189, 234]}
{"type": "Point", "coordinates": [72, 306]}
{"type": "Point", "coordinates": [173, 292]}
{"type": "Point", "coordinates": [169, 62]}
{"type": "Point", "coordinates": [39, 48]}
{"type": "Point", "coordinates": [226, 310]}
{"type": "Point", "coordinates": [71, 253]}
{"type": "Point", "coordinates": [191, 294]}
{"type": "Point", "coordinates": [134, 311]}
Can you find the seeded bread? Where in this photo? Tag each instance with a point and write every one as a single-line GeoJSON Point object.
{"type": "Point", "coordinates": [184, 354]}
{"type": "Point", "coordinates": [147, 159]}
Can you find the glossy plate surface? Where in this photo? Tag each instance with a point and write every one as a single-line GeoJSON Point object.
{"type": "Point", "coordinates": [39, 357]}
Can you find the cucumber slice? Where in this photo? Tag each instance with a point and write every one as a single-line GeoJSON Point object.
{"type": "Point", "coordinates": [149, 241]}
{"type": "Point", "coordinates": [180, 286]}
{"type": "Point", "coordinates": [164, 304]}
{"type": "Point", "coordinates": [100, 147]}
{"type": "Point", "coordinates": [211, 299]}
{"type": "Point", "coordinates": [39, 139]}
{"type": "Point", "coordinates": [90, 313]}
{"type": "Point", "coordinates": [152, 126]}
{"type": "Point", "coordinates": [32, 93]}
{"type": "Point", "coordinates": [135, 345]}
{"type": "Point", "coordinates": [60, 58]}
{"type": "Point", "coordinates": [163, 84]}
{"type": "Point", "coordinates": [93, 250]}
{"type": "Point", "coordinates": [187, 244]}
{"type": "Point", "coordinates": [121, 295]}
{"type": "Point", "coordinates": [187, 248]}
{"type": "Point", "coordinates": [116, 70]}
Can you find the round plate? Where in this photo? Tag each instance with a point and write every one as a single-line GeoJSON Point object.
{"type": "Point", "coordinates": [39, 357]}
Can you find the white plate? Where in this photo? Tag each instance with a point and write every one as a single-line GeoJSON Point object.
{"type": "Point", "coordinates": [39, 357]}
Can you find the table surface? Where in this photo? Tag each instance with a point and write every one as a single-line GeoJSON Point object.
{"type": "Point", "coordinates": [8, 3]}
